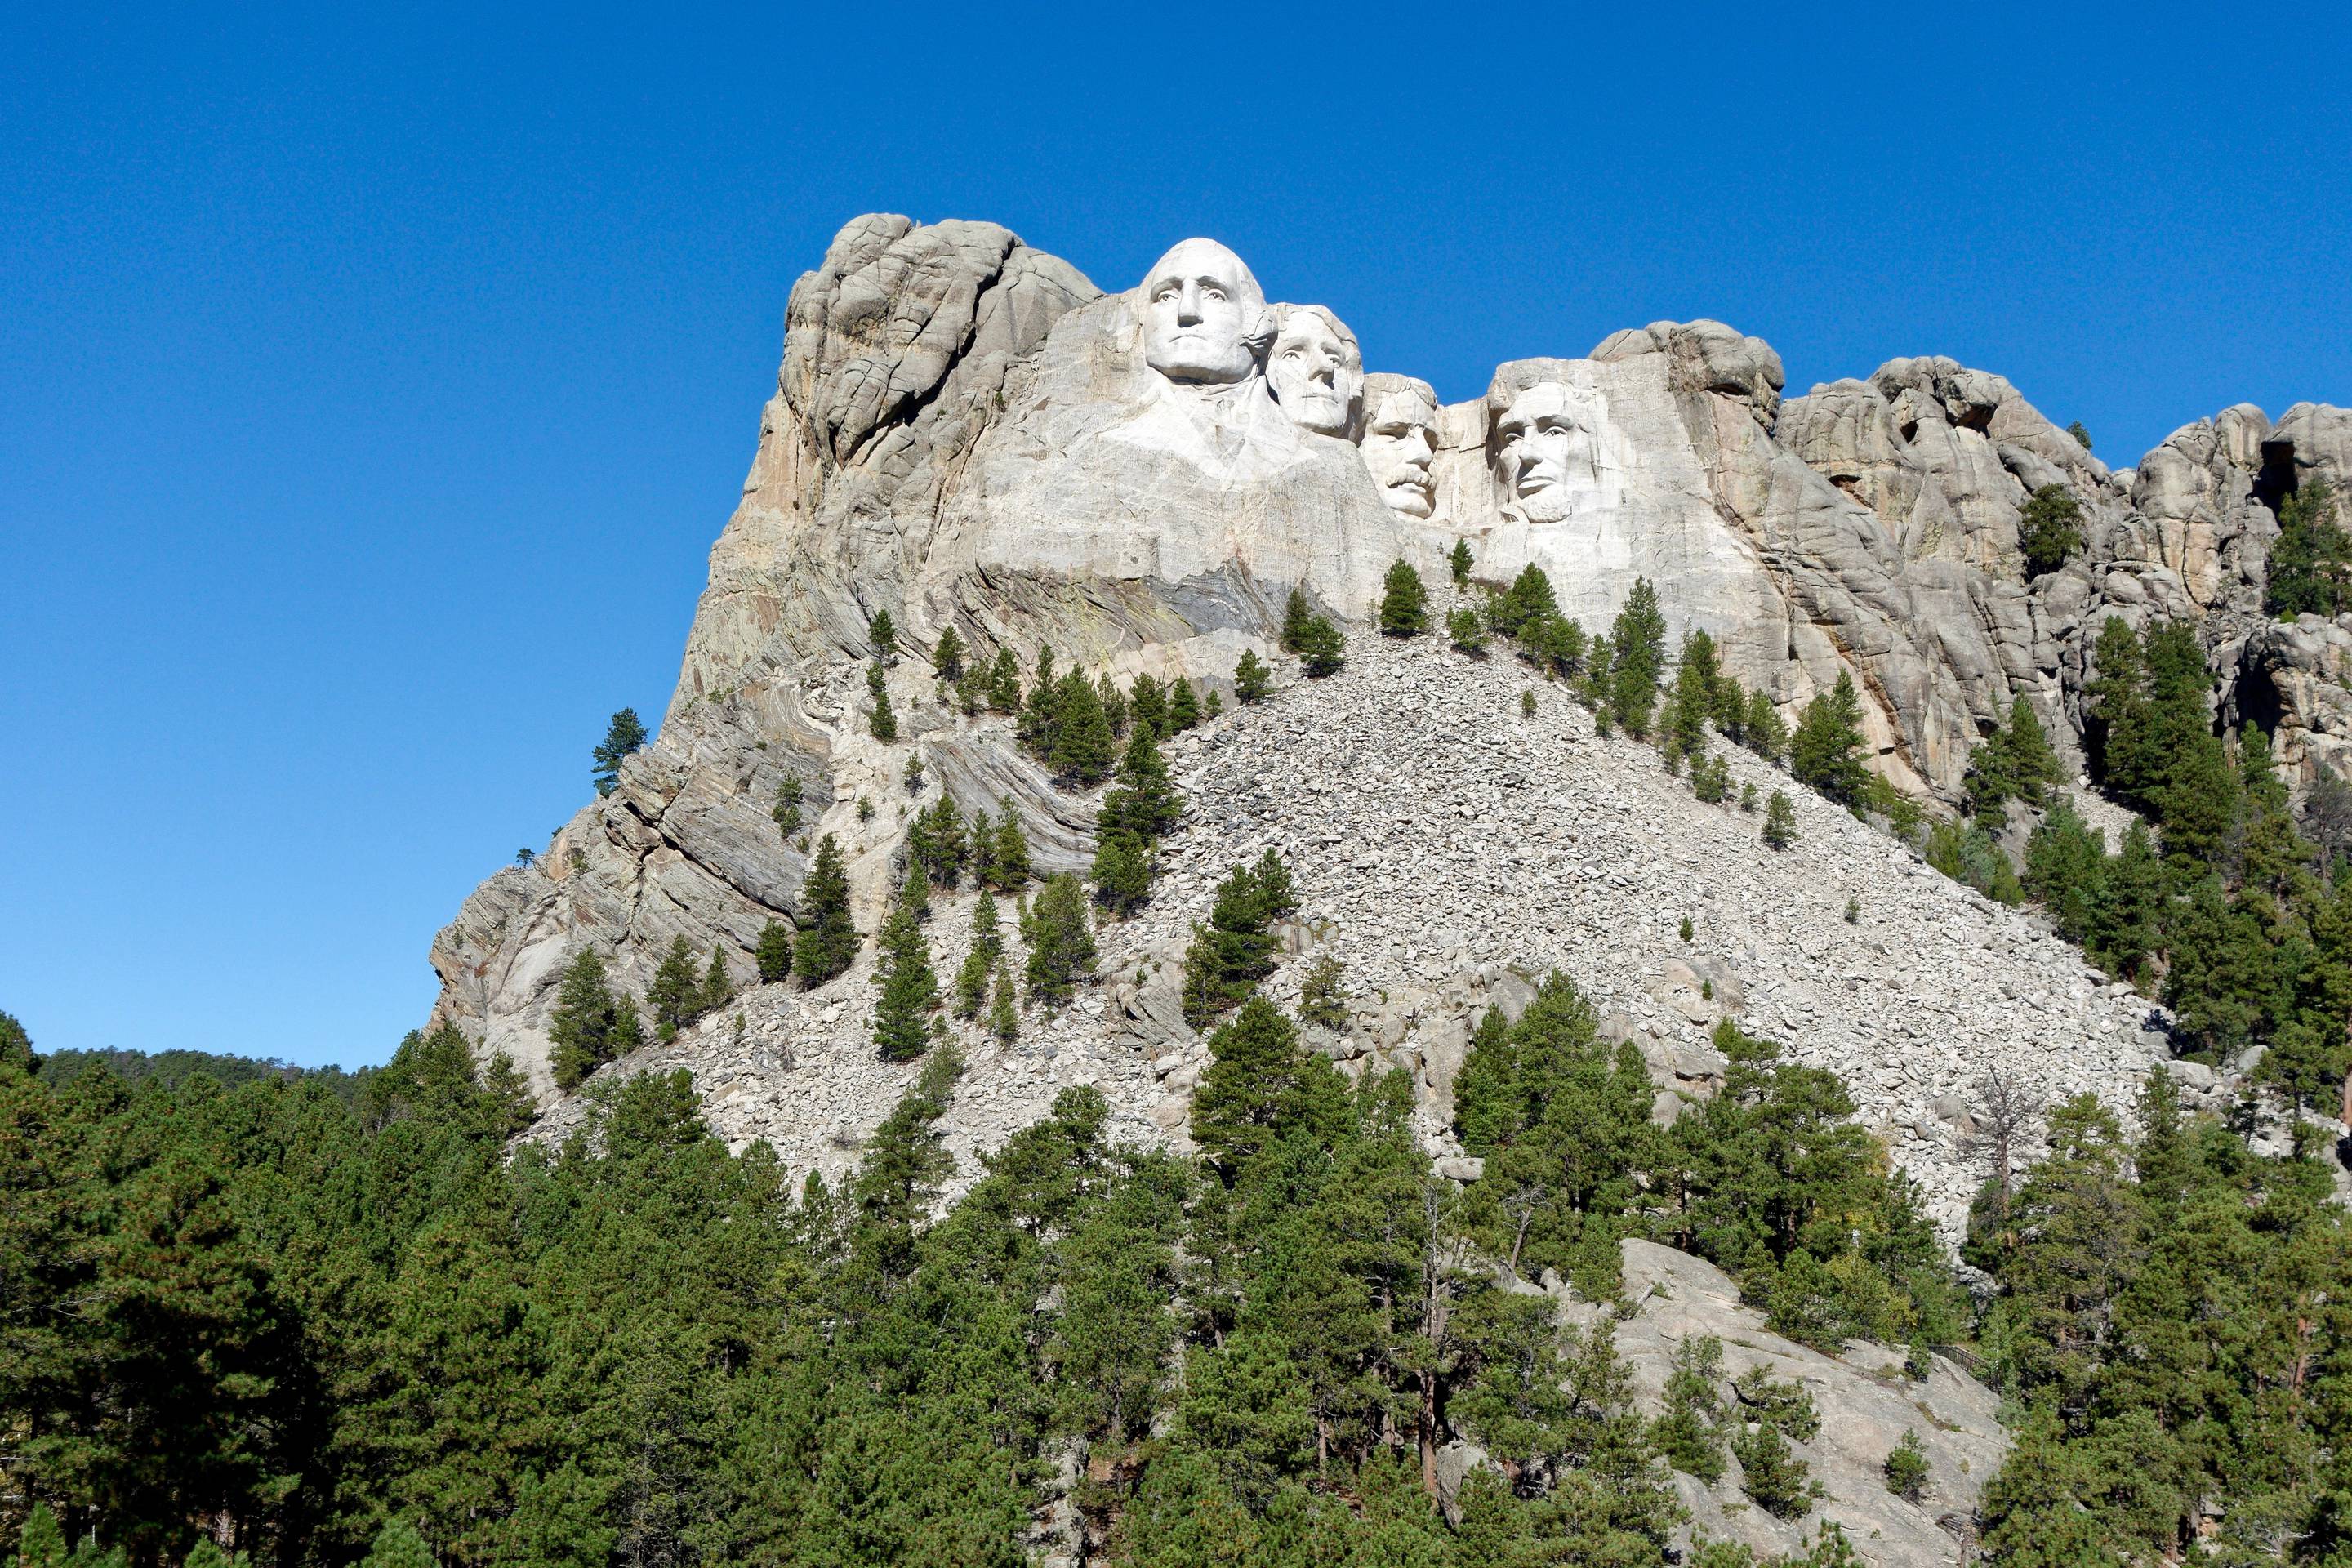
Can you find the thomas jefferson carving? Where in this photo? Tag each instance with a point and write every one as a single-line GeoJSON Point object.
{"type": "Point", "coordinates": [1314, 369]}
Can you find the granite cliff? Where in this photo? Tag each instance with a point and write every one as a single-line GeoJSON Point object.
{"type": "Point", "coordinates": [968, 434]}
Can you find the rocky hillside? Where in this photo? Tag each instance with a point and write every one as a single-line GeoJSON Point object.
{"type": "Point", "coordinates": [968, 435]}
{"type": "Point", "coordinates": [1451, 850]}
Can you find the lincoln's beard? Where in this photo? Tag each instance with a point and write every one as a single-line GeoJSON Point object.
{"type": "Point", "coordinates": [1546, 503]}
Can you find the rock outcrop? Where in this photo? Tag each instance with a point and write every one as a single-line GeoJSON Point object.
{"type": "Point", "coordinates": [1867, 1402]}
{"type": "Point", "coordinates": [968, 434]}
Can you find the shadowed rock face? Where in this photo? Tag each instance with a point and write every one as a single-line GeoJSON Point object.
{"type": "Point", "coordinates": [967, 433]}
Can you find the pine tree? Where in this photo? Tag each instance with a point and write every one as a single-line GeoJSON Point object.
{"type": "Point", "coordinates": [1320, 999]}
{"type": "Point", "coordinates": [581, 1026]}
{"type": "Point", "coordinates": [1232, 952]}
{"type": "Point", "coordinates": [774, 952]}
{"type": "Point", "coordinates": [1113, 704]}
{"type": "Point", "coordinates": [987, 944]}
{"type": "Point", "coordinates": [1907, 1467]}
{"type": "Point", "coordinates": [1321, 649]}
{"type": "Point", "coordinates": [1779, 821]}
{"type": "Point", "coordinates": [1122, 871]}
{"type": "Point", "coordinates": [675, 994]}
{"type": "Point", "coordinates": [1261, 1085]}
{"type": "Point", "coordinates": [827, 941]}
{"type": "Point", "coordinates": [1147, 704]}
{"type": "Point", "coordinates": [16, 1046]}
{"type": "Point", "coordinates": [1213, 705]}
{"type": "Point", "coordinates": [1079, 743]}
{"type": "Point", "coordinates": [718, 985]}
{"type": "Point", "coordinates": [1008, 859]}
{"type": "Point", "coordinates": [2123, 933]}
{"type": "Point", "coordinates": [939, 842]}
{"type": "Point", "coordinates": [787, 809]}
{"type": "Point", "coordinates": [1296, 614]}
{"type": "Point", "coordinates": [1466, 630]}
{"type": "Point", "coordinates": [1555, 643]}
{"type": "Point", "coordinates": [1529, 600]}
{"type": "Point", "coordinates": [1004, 1016]}
{"type": "Point", "coordinates": [1765, 734]}
{"type": "Point", "coordinates": [623, 736]}
{"type": "Point", "coordinates": [1689, 1432]}
{"type": "Point", "coordinates": [1251, 676]}
{"type": "Point", "coordinates": [910, 989]}
{"type": "Point", "coordinates": [947, 655]}
{"type": "Point", "coordinates": [397, 1545]}
{"type": "Point", "coordinates": [2310, 563]}
{"type": "Point", "coordinates": [1004, 682]}
{"type": "Point", "coordinates": [2049, 530]}
{"type": "Point", "coordinates": [1771, 1474]}
{"type": "Point", "coordinates": [1060, 940]}
{"type": "Point", "coordinates": [914, 892]}
{"type": "Point", "coordinates": [882, 723]}
{"type": "Point", "coordinates": [2116, 705]}
{"type": "Point", "coordinates": [1145, 803]}
{"type": "Point", "coordinates": [1637, 654]}
{"type": "Point", "coordinates": [1183, 704]}
{"type": "Point", "coordinates": [1457, 560]}
{"type": "Point", "coordinates": [1404, 601]}
{"type": "Point", "coordinates": [883, 633]}
{"type": "Point", "coordinates": [1693, 695]}
{"type": "Point", "coordinates": [1826, 752]}
{"type": "Point", "coordinates": [1034, 725]}
{"type": "Point", "coordinates": [2015, 763]}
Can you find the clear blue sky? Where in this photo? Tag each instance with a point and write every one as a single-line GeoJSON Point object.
{"type": "Point", "coordinates": [372, 386]}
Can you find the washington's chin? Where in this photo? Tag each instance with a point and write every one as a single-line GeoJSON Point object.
{"type": "Point", "coordinates": [1323, 422]}
{"type": "Point", "coordinates": [1204, 370]}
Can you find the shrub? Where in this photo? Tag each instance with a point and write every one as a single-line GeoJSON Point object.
{"type": "Point", "coordinates": [1907, 1467]}
{"type": "Point", "coordinates": [1321, 1000]}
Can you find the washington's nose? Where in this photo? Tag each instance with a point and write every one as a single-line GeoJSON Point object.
{"type": "Point", "coordinates": [1188, 305]}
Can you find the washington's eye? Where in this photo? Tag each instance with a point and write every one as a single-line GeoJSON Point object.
{"type": "Point", "coordinates": [1213, 293]}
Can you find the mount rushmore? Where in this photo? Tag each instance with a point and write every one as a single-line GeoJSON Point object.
{"type": "Point", "coordinates": [967, 433]}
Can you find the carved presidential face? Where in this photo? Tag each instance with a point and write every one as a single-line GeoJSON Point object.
{"type": "Point", "coordinates": [1199, 306]}
{"type": "Point", "coordinates": [1316, 370]}
{"type": "Point", "coordinates": [1544, 446]}
{"type": "Point", "coordinates": [1399, 440]}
